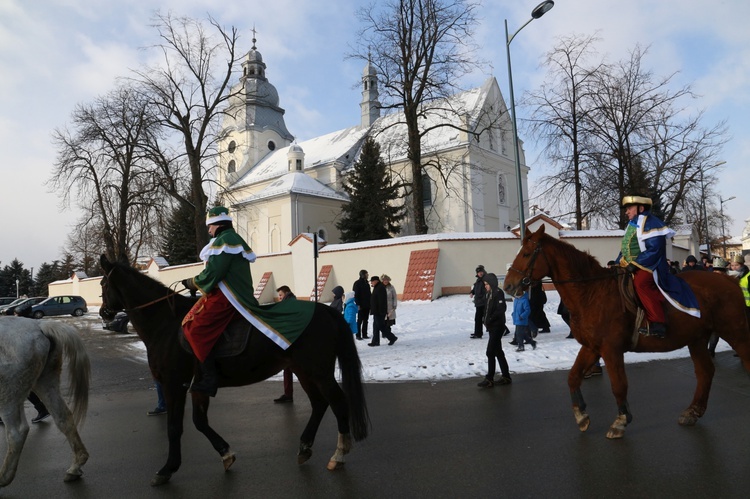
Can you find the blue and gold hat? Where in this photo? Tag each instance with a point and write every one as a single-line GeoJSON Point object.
{"type": "Point", "coordinates": [218, 214]}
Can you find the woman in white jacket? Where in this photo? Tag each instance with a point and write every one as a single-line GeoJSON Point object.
{"type": "Point", "coordinates": [390, 319]}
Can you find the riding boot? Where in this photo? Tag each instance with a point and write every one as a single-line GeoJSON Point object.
{"type": "Point", "coordinates": [209, 382]}
{"type": "Point", "coordinates": [657, 329]}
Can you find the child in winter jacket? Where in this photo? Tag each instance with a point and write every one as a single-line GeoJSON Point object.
{"type": "Point", "coordinates": [521, 313]}
{"type": "Point", "coordinates": [350, 311]}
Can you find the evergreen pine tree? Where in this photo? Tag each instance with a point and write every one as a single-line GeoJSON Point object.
{"type": "Point", "coordinates": [46, 274]}
{"type": "Point", "coordinates": [371, 212]}
{"type": "Point", "coordinates": [178, 242]}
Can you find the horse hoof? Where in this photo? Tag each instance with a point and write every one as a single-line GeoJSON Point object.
{"type": "Point", "coordinates": [71, 477]}
{"type": "Point", "coordinates": [687, 420]}
{"type": "Point", "coordinates": [228, 460]}
{"type": "Point", "coordinates": [160, 480]}
{"type": "Point", "coordinates": [583, 424]}
{"type": "Point", "coordinates": [334, 465]}
{"type": "Point", "coordinates": [615, 433]}
{"type": "Point", "coordinates": [304, 454]}
{"type": "Point", "coordinates": [303, 458]}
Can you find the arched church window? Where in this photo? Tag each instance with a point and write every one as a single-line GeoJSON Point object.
{"type": "Point", "coordinates": [299, 164]}
{"type": "Point", "coordinates": [231, 167]}
{"type": "Point", "coordinates": [232, 147]}
{"type": "Point", "coordinates": [426, 191]}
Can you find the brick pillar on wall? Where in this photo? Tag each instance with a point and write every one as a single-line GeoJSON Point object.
{"type": "Point", "coordinates": [420, 276]}
{"type": "Point", "coordinates": [262, 284]}
{"type": "Point", "coordinates": [323, 275]}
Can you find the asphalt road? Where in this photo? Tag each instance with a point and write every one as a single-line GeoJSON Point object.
{"type": "Point", "coordinates": [429, 439]}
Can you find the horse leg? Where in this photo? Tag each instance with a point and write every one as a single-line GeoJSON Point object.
{"type": "Point", "coordinates": [319, 407]}
{"type": "Point", "coordinates": [336, 398]}
{"type": "Point", "coordinates": [16, 430]}
{"type": "Point", "coordinates": [175, 396]}
{"type": "Point", "coordinates": [585, 359]}
{"type": "Point", "coordinates": [619, 382]}
{"type": "Point", "coordinates": [704, 375]}
{"type": "Point", "coordinates": [200, 420]}
{"type": "Point", "coordinates": [48, 390]}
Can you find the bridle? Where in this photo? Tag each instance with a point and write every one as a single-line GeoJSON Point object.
{"type": "Point", "coordinates": [104, 285]}
{"type": "Point", "coordinates": [526, 279]}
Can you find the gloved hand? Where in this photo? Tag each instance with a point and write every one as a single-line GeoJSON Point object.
{"type": "Point", "coordinates": [188, 283]}
{"type": "Point", "coordinates": [631, 269]}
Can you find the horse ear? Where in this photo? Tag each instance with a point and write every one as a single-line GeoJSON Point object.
{"type": "Point", "coordinates": [540, 230]}
{"type": "Point", "coordinates": [105, 262]}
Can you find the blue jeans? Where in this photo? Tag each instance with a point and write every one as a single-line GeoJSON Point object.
{"type": "Point", "coordinates": [160, 402]}
{"type": "Point", "coordinates": [523, 335]}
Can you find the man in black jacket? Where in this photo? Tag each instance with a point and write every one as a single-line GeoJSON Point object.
{"type": "Point", "coordinates": [478, 295]}
{"type": "Point", "coordinates": [379, 311]}
{"type": "Point", "coordinates": [362, 296]}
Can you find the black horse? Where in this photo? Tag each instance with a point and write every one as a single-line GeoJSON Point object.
{"type": "Point", "coordinates": [156, 313]}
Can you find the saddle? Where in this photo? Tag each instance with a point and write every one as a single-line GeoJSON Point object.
{"type": "Point", "coordinates": [232, 341]}
{"type": "Point", "coordinates": [632, 304]}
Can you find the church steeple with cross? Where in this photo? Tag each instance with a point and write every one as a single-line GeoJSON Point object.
{"type": "Point", "coordinates": [255, 121]}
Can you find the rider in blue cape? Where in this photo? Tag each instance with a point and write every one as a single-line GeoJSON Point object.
{"type": "Point", "coordinates": [643, 253]}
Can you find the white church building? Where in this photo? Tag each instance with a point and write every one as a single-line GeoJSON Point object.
{"type": "Point", "coordinates": [278, 188]}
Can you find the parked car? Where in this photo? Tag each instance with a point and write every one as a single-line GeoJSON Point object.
{"type": "Point", "coordinates": [21, 303]}
{"type": "Point", "coordinates": [119, 324]}
{"type": "Point", "coordinates": [60, 305]}
{"type": "Point", "coordinates": [5, 300]}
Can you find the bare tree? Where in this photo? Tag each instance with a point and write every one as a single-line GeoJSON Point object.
{"type": "Point", "coordinates": [104, 165]}
{"type": "Point", "coordinates": [421, 49]}
{"type": "Point", "coordinates": [632, 134]}
{"type": "Point", "coordinates": [189, 91]}
{"type": "Point", "coordinates": [559, 112]}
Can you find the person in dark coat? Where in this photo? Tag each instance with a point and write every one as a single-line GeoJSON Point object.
{"type": "Point", "coordinates": [691, 263]}
{"type": "Point", "coordinates": [478, 295]}
{"type": "Point", "coordinates": [494, 321]}
{"type": "Point", "coordinates": [362, 296]}
{"type": "Point", "coordinates": [338, 299]}
{"type": "Point", "coordinates": [285, 293]}
{"type": "Point", "coordinates": [379, 311]}
{"type": "Point", "coordinates": [538, 318]}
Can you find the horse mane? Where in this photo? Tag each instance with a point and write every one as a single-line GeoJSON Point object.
{"type": "Point", "coordinates": [150, 287]}
{"type": "Point", "coordinates": [581, 261]}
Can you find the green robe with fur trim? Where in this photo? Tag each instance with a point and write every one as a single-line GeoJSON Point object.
{"type": "Point", "coordinates": [228, 259]}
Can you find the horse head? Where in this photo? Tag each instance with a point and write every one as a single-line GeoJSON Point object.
{"type": "Point", "coordinates": [527, 267]}
{"type": "Point", "coordinates": [111, 303]}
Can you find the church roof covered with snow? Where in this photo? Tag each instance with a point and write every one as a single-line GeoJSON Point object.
{"type": "Point", "coordinates": [462, 110]}
{"type": "Point", "coordinates": [296, 183]}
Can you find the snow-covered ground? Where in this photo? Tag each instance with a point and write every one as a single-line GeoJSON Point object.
{"type": "Point", "coordinates": [434, 344]}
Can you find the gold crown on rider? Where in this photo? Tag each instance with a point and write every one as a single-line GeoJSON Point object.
{"type": "Point", "coordinates": [628, 200]}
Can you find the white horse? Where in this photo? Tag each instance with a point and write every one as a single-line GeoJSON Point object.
{"type": "Point", "coordinates": [31, 358]}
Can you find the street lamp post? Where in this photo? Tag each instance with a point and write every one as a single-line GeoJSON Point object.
{"type": "Point", "coordinates": [538, 12]}
{"type": "Point", "coordinates": [705, 218]}
{"type": "Point", "coordinates": [723, 237]}
{"type": "Point", "coordinates": [705, 213]}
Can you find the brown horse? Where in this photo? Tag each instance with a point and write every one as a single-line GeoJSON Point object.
{"type": "Point", "coordinates": [605, 327]}
{"type": "Point", "coordinates": [156, 313]}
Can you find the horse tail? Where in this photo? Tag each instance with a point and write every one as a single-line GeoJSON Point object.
{"type": "Point", "coordinates": [66, 338]}
{"type": "Point", "coordinates": [351, 377]}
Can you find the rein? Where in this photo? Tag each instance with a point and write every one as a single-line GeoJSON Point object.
{"type": "Point", "coordinates": [105, 282]}
{"type": "Point", "coordinates": [137, 307]}
{"type": "Point", "coordinates": [527, 280]}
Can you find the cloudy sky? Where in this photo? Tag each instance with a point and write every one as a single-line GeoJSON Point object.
{"type": "Point", "coordinates": [55, 54]}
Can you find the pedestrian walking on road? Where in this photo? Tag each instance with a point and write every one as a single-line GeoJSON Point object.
{"type": "Point", "coordinates": [494, 321]}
